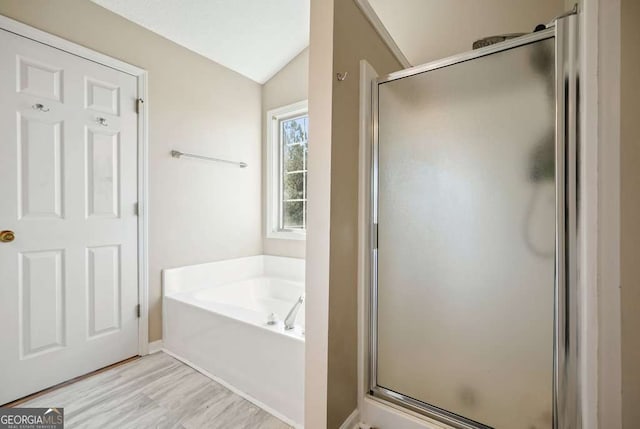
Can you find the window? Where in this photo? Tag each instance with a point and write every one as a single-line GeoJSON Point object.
{"type": "Point", "coordinates": [287, 135]}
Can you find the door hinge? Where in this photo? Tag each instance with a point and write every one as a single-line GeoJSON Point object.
{"type": "Point", "coordinates": [374, 238]}
{"type": "Point", "coordinates": [136, 210]}
{"type": "Point", "coordinates": [139, 103]}
{"type": "Point", "coordinates": [138, 311]}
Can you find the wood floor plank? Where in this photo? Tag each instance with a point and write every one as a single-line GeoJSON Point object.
{"type": "Point", "coordinates": [156, 391]}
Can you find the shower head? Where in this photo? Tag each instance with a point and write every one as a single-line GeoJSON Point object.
{"type": "Point", "coordinates": [492, 40]}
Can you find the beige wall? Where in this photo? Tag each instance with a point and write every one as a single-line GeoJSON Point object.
{"type": "Point", "coordinates": [353, 39]}
{"type": "Point", "coordinates": [427, 30]}
{"type": "Point", "coordinates": [289, 85]}
{"type": "Point", "coordinates": [340, 37]}
{"type": "Point", "coordinates": [319, 212]}
{"type": "Point", "coordinates": [630, 211]}
{"type": "Point", "coordinates": [198, 211]}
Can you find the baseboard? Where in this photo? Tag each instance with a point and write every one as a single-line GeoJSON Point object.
{"type": "Point", "coordinates": [236, 391]}
{"type": "Point", "coordinates": [352, 421]}
{"type": "Point", "coordinates": [155, 346]}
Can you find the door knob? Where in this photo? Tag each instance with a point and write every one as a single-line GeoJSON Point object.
{"type": "Point", "coordinates": [7, 236]}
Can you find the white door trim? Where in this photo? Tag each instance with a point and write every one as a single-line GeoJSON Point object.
{"type": "Point", "coordinates": [367, 74]}
{"type": "Point", "coordinates": [374, 20]}
{"type": "Point", "coordinates": [36, 35]}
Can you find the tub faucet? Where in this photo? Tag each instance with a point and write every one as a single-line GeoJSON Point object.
{"type": "Point", "coordinates": [291, 317]}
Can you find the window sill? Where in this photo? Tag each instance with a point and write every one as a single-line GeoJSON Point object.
{"type": "Point", "coordinates": [287, 235]}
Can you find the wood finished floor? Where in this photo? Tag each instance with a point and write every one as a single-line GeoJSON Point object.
{"type": "Point", "coordinates": [156, 391]}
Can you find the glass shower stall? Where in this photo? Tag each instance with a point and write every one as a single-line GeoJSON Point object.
{"type": "Point", "coordinates": [472, 304]}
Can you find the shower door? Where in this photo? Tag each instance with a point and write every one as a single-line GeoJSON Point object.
{"type": "Point", "coordinates": [473, 215]}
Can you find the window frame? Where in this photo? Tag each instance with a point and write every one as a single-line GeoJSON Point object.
{"type": "Point", "coordinates": [275, 171]}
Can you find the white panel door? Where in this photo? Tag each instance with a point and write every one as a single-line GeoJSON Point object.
{"type": "Point", "coordinates": [68, 189]}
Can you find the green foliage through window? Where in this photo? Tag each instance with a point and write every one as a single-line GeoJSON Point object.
{"type": "Point", "coordinates": [294, 133]}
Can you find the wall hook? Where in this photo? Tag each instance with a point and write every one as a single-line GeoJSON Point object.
{"type": "Point", "coordinates": [342, 76]}
{"type": "Point", "coordinates": [40, 107]}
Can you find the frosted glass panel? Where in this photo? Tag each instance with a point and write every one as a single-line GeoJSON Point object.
{"type": "Point", "coordinates": [466, 234]}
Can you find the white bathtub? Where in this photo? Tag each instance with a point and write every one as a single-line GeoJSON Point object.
{"type": "Point", "coordinates": [215, 319]}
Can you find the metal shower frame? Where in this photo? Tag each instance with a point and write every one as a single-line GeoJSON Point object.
{"type": "Point", "coordinates": [565, 349]}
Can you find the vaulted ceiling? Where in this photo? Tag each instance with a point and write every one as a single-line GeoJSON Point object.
{"type": "Point", "coordinates": [256, 38]}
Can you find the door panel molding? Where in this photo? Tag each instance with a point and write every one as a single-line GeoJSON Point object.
{"type": "Point", "coordinates": [39, 79]}
{"type": "Point", "coordinates": [40, 150]}
{"type": "Point", "coordinates": [104, 285]}
{"type": "Point", "coordinates": [42, 304]}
